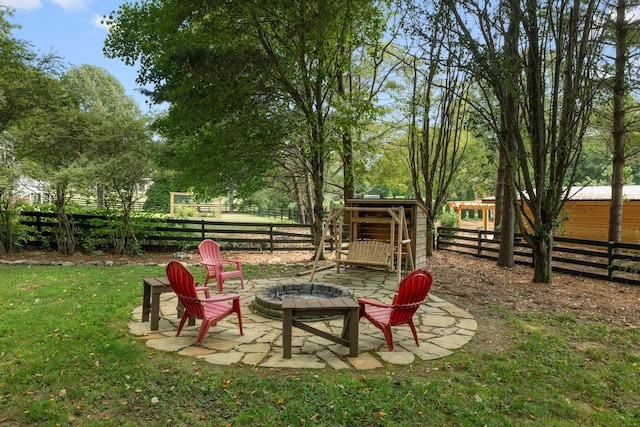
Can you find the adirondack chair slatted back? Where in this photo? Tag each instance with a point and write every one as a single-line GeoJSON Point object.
{"type": "Point", "coordinates": [210, 310]}
{"type": "Point", "coordinates": [210, 254]}
{"type": "Point", "coordinates": [184, 286]}
{"type": "Point", "coordinates": [412, 291]}
{"type": "Point", "coordinates": [211, 259]}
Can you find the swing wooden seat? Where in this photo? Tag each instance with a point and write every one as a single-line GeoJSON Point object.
{"type": "Point", "coordinates": [369, 253]}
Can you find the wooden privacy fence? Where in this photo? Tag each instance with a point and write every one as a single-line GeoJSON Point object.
{"type": "Point", "coordinates": [173, 234]}
{"type": "Point", "coordinates": [618, 262]}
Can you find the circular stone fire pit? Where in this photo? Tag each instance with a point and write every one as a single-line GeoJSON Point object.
{"type": "Point", "coordinates": [268, 301]}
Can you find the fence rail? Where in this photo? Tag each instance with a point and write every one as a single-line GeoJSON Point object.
{"type": "Point", "coordinates": [618, 262]}
{"type": "Point", "coordinates": [156, 235]}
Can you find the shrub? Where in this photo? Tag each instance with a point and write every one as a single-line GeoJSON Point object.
{"type": "Point", "coordinates": [448, 218]}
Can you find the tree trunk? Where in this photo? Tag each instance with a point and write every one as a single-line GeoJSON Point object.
{"type": "Point", "coordinates": [317, 175]}
{"type": "Point", "coordinates": [349, 179]}
{"type": "Point", "coordinates": [619, 91]}
{"type": "Point", "coordinates": [231, 200]}
{"type": "Point", "coordinates": [349, 173]}
{"type": "Point", "coordinates": [542, 251]}
{"type": "Point", "coordinates": [64, 234]}
{"type": "Point", "coordinates": [308, 188]}
{"type": "Point", "coordinates": [431, 227]}
{"type": "Point", "coordinates": [6, 225]}
{"type": "Point", "coordinates": [100, 197]}
{"type": "Point", "coordinates": [507, 222]}
{"type": "Point", "coordinates": [130, 244]}
{"type": "Point", "coordinates": [302, 218]}
{"type": "Point", "coordinates": [497, 216]}
{"type": "Point", "coordinates": [509, 147]}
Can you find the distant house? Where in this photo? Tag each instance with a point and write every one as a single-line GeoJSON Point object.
{"type": "Point", "coordinates": [588, 214]}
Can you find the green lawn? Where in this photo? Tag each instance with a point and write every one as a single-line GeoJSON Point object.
{"type": "Point", "coordinates": [66, 358]}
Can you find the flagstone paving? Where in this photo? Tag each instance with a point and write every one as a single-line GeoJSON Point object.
{"type": "Point", "coordinates": [442, 329]}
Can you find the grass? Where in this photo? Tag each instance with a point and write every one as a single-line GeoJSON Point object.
{"type": "Point", "coordinates": [66, 358]}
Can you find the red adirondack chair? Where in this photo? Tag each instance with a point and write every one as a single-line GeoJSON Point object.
{"type": "Point", "coordinates": [213, 262]}
{"type": "Point", "coordinates": [412, 291]}
{"type": "Point", "coordinates": [210, 310]}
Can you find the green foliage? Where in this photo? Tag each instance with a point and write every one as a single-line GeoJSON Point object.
{"type": "Point", "coordinates": [26, 89]}
{"type": "Point", "coordinates": [13, 235]}
{"type": "Point", "coordinates": [109, 230]}
{"type": "Point", "coordinates": [448, 218]}
{"type": "Point", "coordinates": [268, 199]}
{"type": "Point", "coordinates": [387, 173]}
{"type": "Point", "coordinates": [236, 135]}
{"type": "Point", "coordinates": [96, 89]}
{"type": "Point", "coordinates": [275, 92]}
{"type": "Point", "coordinates": [185, 212]}
{"type": "Point", "coordinates": [158, 197]}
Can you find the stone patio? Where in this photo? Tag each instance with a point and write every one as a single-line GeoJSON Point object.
{"type": "Point", "coordinates": [442, 329]}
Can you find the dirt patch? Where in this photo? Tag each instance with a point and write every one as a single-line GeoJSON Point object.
{"type": "Point", "coordinates": [478, 283]}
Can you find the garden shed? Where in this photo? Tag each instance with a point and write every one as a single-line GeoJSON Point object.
{"type": "Point", "coordinates": [587, 211]}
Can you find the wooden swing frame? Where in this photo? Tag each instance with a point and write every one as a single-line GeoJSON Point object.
{"type": "Point", "coordinates": [368, 252]}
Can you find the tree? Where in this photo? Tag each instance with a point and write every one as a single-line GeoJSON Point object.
{"type": "Point", "coordinates": [55, 140]}
{"type": "Point", "coordinates": [26, 85]}
{"type": "Point", "coordinates": [223, 127]}
{"type": "Point", "coordinates": [266, 74]}
{"type": "Point", "coordinates": [118, 157]}
{"type": "Point", "coordinates": [436, 135]}
{"type": "Point", "coordinates": [388, 170]}
{"type": "Point", "coordinates": [372, 63]}
{"type": "Point", "coordinates": [122, 165]}
{"type": "Point", "coordinates": [625, 33]}
{"type": "Point", "coordinates": [549, 52]}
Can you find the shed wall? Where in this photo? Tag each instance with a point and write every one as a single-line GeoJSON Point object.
{"type": "Point", "coordinates": [589, 219]}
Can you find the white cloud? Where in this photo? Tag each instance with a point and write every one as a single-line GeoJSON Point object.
{"type": "Point", "coordinates": [26, 5]}
{"type": "Point", "coordinates": [23, 5]}
{"type": "Point", "coordinates": [97, 21]}
{"type": "Point", "coordinates": [72, 4]}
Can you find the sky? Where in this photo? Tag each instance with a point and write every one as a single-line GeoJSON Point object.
{"type": "Point", "coordinates": [72, 30]}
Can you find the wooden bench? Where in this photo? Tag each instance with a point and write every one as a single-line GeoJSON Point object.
{"type": "Point", "coordinates": [293, 308]}
{"type": "Point", "coordinates": [152, 288]}
{"type": "Point", "coordinates": [372, 253]}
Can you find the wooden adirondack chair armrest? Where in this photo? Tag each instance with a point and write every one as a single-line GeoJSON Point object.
{"type": "Point", "coordinates": [367, 301]}
{"type": "Point", "coordinates": [204, 289]}
{"type": "Point", "coordinates": [232, 261]}
{"type": "Point", "coordinates": [227, 297]}
{"type": "Point", "coordinates": [205, 263]}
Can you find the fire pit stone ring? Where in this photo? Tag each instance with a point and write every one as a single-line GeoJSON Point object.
{"type": "Point", "coordinates": [268, 302]}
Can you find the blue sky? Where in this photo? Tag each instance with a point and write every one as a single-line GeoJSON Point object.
{"type": "Point", "coordinates": [72, 30]}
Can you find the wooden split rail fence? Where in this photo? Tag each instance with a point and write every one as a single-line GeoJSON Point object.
{"type": "Point", "coordinates": [156, 235]}
{"type": "Point", "coordinates": [618, 262]}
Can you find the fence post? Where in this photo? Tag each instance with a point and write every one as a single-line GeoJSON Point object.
{"type": "Point", "coordinates": [479, 242]}
{"type": "Point", "coordinates": [331, 248]}
{"type": "Point", "coordinates": [610, 252]}
{"type": "Point", "coordinates": [271, 238]}
{"type": "Point", "coordinates": [202, 228]}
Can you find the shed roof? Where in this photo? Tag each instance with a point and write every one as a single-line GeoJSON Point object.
{"type": "Point", "coordinates": [603, 192]}
{"type": "Point", "coordinates": [594, 192]}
